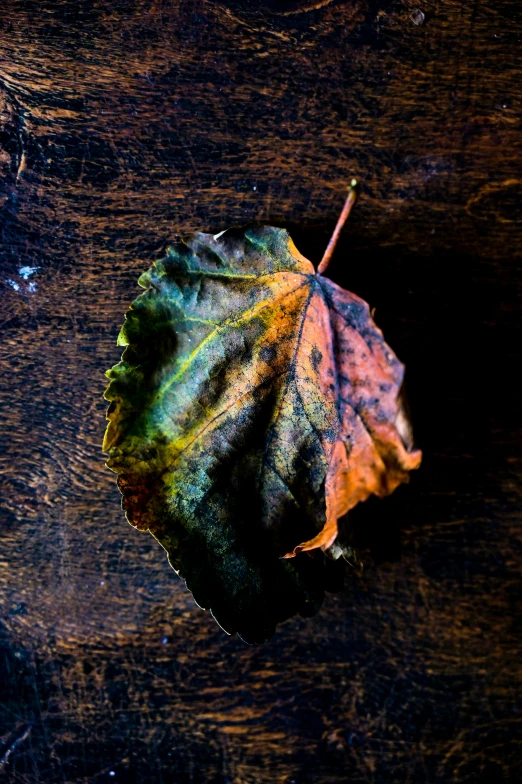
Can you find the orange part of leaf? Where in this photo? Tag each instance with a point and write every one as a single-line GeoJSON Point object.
{"type": "Point", "coordinates": [373, 453]}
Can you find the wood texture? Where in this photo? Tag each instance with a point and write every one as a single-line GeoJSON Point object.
{"type": "Point", "coordinates": [123, 125]}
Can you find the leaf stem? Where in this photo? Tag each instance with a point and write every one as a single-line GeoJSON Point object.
{"type": "Point", "coordinates": [348, 204]}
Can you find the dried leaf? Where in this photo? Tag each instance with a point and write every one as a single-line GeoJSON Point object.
{"type": "Point", "coordinates": [256, 402]}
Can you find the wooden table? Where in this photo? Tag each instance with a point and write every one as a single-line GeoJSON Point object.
{"type": "Point", "coordinates": [125, 123]}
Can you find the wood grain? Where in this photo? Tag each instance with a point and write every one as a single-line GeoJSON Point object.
{"type": "Point", "coordinates": [126, 123]}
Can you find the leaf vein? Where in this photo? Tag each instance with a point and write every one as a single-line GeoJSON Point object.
{"type": "Point", "coordinates": [246, 316]}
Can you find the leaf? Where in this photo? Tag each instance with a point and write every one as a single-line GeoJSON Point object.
{"type": "Point", "coordinates": [256, 402]}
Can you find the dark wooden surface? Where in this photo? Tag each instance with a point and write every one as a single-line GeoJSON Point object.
{"type": "Point", "coordinates": [126, 123]}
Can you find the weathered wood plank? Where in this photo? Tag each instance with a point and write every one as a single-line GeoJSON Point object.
{"type": "Point", "coordinates": [124, 124]}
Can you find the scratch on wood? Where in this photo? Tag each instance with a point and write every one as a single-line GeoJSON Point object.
{"type": "Point", "coordinates": [10, 750]}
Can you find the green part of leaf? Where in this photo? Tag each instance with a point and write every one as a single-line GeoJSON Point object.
{"type": "Point", "coordinates": [218, 440]}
